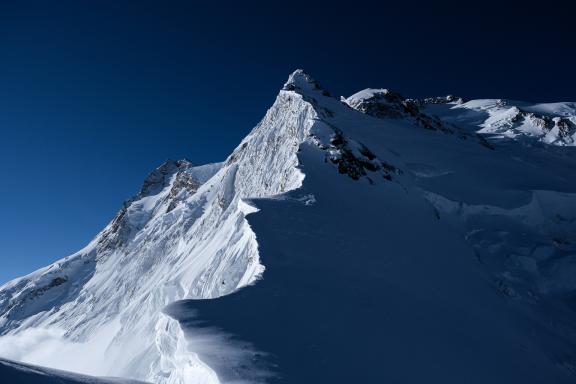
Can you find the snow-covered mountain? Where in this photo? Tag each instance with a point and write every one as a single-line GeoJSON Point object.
{"type": "Point", "coordinates": [368, 238]}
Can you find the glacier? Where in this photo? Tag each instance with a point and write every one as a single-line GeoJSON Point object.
{"type": "Point", "coordinates": [364, 238]}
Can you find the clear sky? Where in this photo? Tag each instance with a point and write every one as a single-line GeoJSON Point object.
{"type": "Point", "coordinates": [95, 94]}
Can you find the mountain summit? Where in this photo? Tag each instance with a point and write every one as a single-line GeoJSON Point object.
{"type": "Point", "coordinates": [371, 238]}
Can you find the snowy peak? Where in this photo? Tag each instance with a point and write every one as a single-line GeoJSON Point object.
{"type": "Point", "coordinates": [380, 173]}
{"type": "Point", "coordinates": [527, 123]}
{"type": "Point", "coordinates": [381, 103]}
{"type": "Point", "coordinates": [160, 177]}
{"type": "Point", "coordinates": [384, 103]}
{"type": "Point", "coordinates": [387, 104]}
{"type": "Point", "coordinates": [163, 189]}
{"type": "Point", "coordinates": [448, 99]}
{"type": "Point", "coordinates": [552, 123]}
{"type": "Point", "coordinates": [301, 82]}
{"type": "Point", "coordinates": [350, 157]}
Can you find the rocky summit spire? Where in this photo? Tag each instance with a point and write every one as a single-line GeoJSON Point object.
{"type": "Point", "coordinates": [301, 82]}
{"type": "Point", "coordinates": [160, 177]}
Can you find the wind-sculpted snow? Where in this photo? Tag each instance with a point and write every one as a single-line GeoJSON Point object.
{"type": "Point", "coordinates": [531, 244]}
{"type": "Point", "coordinates": [182, 236]}
{"type": "Point", "coordinates": [367, 285]}
{"type": "Point", "coordinates": [398, 245]}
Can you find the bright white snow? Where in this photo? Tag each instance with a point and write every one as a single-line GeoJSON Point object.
{"type": "Point", "coordinates": [397, 246]}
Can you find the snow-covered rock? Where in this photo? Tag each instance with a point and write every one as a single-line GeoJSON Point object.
{"type": "Point", "coordinates": [551, 123]}
{"type": "Point", "coordinates": [401, 241]}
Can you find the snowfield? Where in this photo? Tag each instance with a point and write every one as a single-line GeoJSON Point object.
{"type": "Point", "coordinates": [370, 238]}
{"type": "Point", "coordinates": [18, 373]}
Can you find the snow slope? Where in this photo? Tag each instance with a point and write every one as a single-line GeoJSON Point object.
{"type": "Point", "coordinates": [401, 241]}
{"type": "Point", "coordinates": [457, 268]}
{"type": "Point", "coordinates": [183, 235]}
{"type": "Point", "coordinates": [18, 373]}
{"type": "Point", "coordinates": [551, 123]}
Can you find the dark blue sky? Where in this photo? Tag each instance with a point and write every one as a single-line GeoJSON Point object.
{"type": "Point", "coordinates": [94, 95]}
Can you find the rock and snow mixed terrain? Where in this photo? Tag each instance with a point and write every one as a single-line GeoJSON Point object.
{"type": "Point", "coordinates": [368, 238]}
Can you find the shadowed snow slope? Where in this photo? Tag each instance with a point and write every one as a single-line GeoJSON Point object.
{"type": "Point", "coordinates": [18, 373]}
{"type": "Point", "coordinates": [401, 243]}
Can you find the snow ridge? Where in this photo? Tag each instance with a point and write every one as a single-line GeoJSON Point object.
{"type": "Point", "coordinates": [182, 236]}
{"type": "Point", "coordinates": [185, 235]}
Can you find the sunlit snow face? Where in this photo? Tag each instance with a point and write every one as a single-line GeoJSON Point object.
{"type": "Point", "coordinates": [49, 347]}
